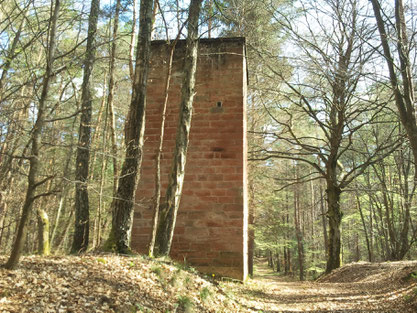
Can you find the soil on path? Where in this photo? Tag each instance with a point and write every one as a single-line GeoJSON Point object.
{"type": "Point", "coordinates": [358, 287]}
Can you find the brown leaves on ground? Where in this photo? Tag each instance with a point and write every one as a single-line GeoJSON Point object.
{"type": "Point", "coordinates": [357, 287]}
{"type": "Point", "coordinates": [107, 284]}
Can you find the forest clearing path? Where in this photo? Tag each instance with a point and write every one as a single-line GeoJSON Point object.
{"type": "Point", "coordinates": [383, 292]}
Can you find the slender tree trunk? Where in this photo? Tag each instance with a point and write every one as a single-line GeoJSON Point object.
{"type": "Point", "coordinates": [64, 235]}
{"type": "Point", "coordinates": [324, 221]}
{"type": "Point", "coordinates": [298, 232]}
{"type": "Point", "coordinates": [381, 227]}
{"type": "Point", "coordinates": [11, 143]}
{"type": "Point", "coordinates": [11, 53]}
{"type": "Point", "coordinates": [154, 13]}
{"type": "Point", "coordinates": [44, 247]}
{"type": "Point", "coordinates": [371, 228]}
{"type": "Point", "coordinates": [289, 265]}
{"type": "Point", "coordinates": [277, 257]}
{"type": "Point", "coordinates": [285, 261]}
{"type": "Point", "coordinates": [122, 219]}
{"type": "Point", "coordinates": [157, 194]}
{"type": "Point", "coordinates": [132, 44]}
{"type": "Point", "coordinates": [285, 248]}
{"type": "Point", "coordinates": [358, 251]}
{"type": "Point", "coordinates": [61, 204]}
{"type": "Point", "coordinates": [368, 244]}
{"type": "Point", "coordinates": [210, 21]}
{"type": "Point", "coordinates": [99, 129]}
{"type": "Point", "coordinates": [313, 208]}
{"type": "Point", "coordinates": [82, 208]}
{"type": "Point", "coordinates": [63, 196]}
{"type": "Point", "coordinates": [34, 161]}
{"type": "Point", "coordinates": [403, 89]}
{"type": "Point", "coordinates": [170, 207]}
{"type": "Point", "coordinates": [100, 208]}
{"type": "Point", "coordinates": [110, 105]}
{"type": "Point", "coordinates": [271, 263]}
{"type": "Point", "coordinates": [403, 167]}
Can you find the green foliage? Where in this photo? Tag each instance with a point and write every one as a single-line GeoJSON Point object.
{"type": "Point", "coordinates": [185, 303]}
{"type": "Point", "coordinates": [137, 307]}
{"type": "Point", "coordinates": [101, 260]}
{"type": "Point", "coordinates": [157, 270]}
{"type": "Point", "coordinates": [184, 266]}
{"type": "Point", "coordinates": [204, 293]}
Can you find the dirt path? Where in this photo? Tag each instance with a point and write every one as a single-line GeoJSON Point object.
{"type": "Point", "coordinates": [268, 292]}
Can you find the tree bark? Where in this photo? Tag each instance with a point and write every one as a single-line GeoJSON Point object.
{"type": "Point", "coordinates": [132, 44]}
{"type": "Point", "coordinates": [170, 207]}
{"type": "Point", "coordinates": [61, 242]}
{"type": "Point", "coordinates": [403, 89]}
{"type": "Point", "coordinates": [82, 208]}
{"type": "Point", "coordinates": [334, 214]}
{"type": "Point", "coordinates": [34, 161]}
{"type": "Point", "coordinates": [157, 194]}
{"type": "Point", "coordinates": [122, 219]}
{"type": "Point", "coordinates": [298, 231]}
{"type": "Point", "coordinates": [324, 221]}
{"type": "Point", "coordinates": [44, 247]}
{"type": "Point", "coordinates": [368, 244]}
{"type": "Point", "coordinates": [110, 106]}
{"type": "Point", "coordinates": [11, 53]}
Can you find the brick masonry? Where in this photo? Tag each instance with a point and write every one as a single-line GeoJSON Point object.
{"type": "Point", "coordinates": [211, 232]}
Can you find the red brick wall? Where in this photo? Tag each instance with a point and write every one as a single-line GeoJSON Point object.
{"type": "Point", "coordinates": [211, 229]}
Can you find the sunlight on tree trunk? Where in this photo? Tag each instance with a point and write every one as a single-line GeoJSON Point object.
{"type": "Point", "coordinates": [169, 209]}
{"type": "Point", "coordinates": [122, 219]}
{"type": "Point", "coordinates": [34, 161]}
{"type": "Point", "coordinates": [82, 208]}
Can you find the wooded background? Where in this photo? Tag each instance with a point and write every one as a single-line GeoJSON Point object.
{"type": "Point", "coordinates": [332, 128]}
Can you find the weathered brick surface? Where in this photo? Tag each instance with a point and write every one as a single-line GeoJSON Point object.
{"type": "Point", "coordinates": [211, 229]}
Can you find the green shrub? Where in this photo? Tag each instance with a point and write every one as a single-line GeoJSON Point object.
{"type": "Point", "coordinates": [204, 293]}
{"type": "Point", "coordinates": [185, 303]}
{"type": "Point", "coordinates": [156, 270]}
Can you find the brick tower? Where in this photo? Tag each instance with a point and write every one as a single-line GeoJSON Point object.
{"type": "Point", "coordinates": [211, 232]}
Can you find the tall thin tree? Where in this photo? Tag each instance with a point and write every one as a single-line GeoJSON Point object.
{"type": "Point", "coordinates": [400, 75]}
{"type": "Point", "coordinates": [123, 206]}
{"type": "Point", "coordinates": [169, 209]}
{"type": "Point", "coordinates": [34, 161]}
{"type": "Point", "coordinates": [82, 209]}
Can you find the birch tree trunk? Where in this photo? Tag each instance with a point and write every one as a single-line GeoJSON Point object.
{"type": "Point", "coordinates": [169, 208]}
{"type": "Point", "coordinates": [34, 161]}
{"type": "Point", "coordinates": [122, 219]}
{"type": "Point", "coordinates": [82, 209]}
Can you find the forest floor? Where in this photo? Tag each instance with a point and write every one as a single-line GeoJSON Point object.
{"type": "Point", "coordinates": [353, 288]}
{"type": "Point", "coordinates": [107, 283]}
